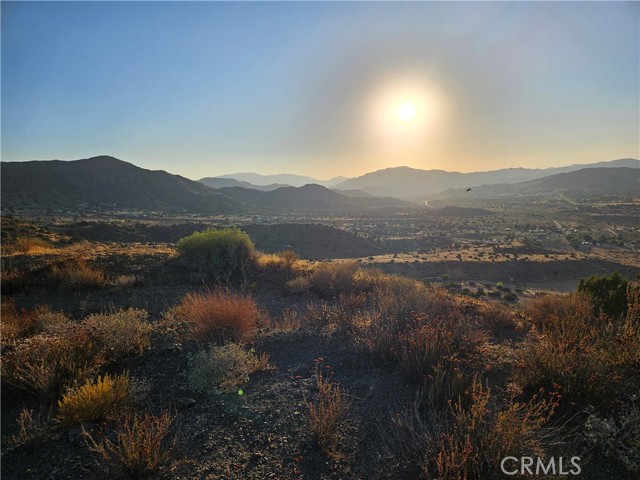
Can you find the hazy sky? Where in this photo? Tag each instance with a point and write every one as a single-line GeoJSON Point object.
{"type": "Point", "coordinates": [209, 88]}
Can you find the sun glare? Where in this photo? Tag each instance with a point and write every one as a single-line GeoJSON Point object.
{"type": "Point", "coordinates": [407, 112]}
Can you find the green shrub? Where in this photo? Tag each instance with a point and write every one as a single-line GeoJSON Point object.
{"type": "Point", "coordinates": [608, 294]}
{"type": "Point", "coordinates": [224, 369]}
{"type": "Point", "coordinates": [227, 252]}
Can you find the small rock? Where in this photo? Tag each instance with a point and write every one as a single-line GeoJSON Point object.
{"type": "Point", "coordinates": [75, 435]}
{"type": "Point", "coordinates": [185, 402]}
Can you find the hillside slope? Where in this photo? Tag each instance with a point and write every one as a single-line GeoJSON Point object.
{"type": "Point", "coordinates": [105, 182]}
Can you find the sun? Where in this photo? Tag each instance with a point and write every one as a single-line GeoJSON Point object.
{"type": "Point", "coordinates": [407, 111]}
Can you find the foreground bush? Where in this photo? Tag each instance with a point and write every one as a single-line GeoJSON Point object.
{"type": "Point", "coordinates": [30, 245]}
{"type": "Point", "coordinates": [46, 364]}
{"type": "Point", "coordinates": [227, 252]}
{"type": "Point", "coordinates": [219, 316]}
{"type": "Point", "coordinates": [142, 445]}
{"type": "Point", "coordinates": [224, 369]}
{"type": "Point", "coordinates": [94, 400]}
{"type": "Point", "coordinates": [593, 360]}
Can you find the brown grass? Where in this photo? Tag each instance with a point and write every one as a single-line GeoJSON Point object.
{"type": "Point", "coordinates": [219, 316]}
{"type": "Point", "coordinates": [31, 245]}
{"type": "Point", "coordinates": [327, 411]}
{"type": "Point", "coordinates": [592, 360]}
{"type": "Point", "coordinates": [76, 273]}
{"type": "Point", "coordinates": [27, 322]}
{"type": "Point", "coordinates": [142, 444]}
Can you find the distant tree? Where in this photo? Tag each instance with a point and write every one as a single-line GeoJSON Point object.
{"type": "Point", "coordinates": [608, 294]}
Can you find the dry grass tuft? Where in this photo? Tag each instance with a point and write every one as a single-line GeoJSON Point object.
{"type": "Point", "coordinates": [31, 245]}
{"type": "Point", "coordinates": [327, 411]}
{"type": "Point", "coordinates": [76, 273]}
{"type": "Point", "coordinates": [219, 316]}
{"type": "Point", "coordinates": [95, 401]}
{"type": "Point", "coordinates": [142, 444]}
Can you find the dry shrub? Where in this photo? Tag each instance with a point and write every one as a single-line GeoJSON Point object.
{"type": "Point", "coordinates": [593, 360]}
{"type": "Point", "coordinates": [223, 369]}
{"type": "Point", "coordinates": [46, 364]}
{"type": "Point", "coordinates": [121, 333]}
{"type": "Point", "coordinates": [298, 285]}
{"type": "Point", "coordinates": [327, 411]}
{"type": "Point", "coordinates": [497, 317]}
{"type": "Point", "coordinates": [434, 342]}
{"type": "Point", "coordinates": [18, 325]}
{"type": "Point", "coordinates": [142, 445]}
{"type": "Point", "coordinates": [31, 428]}
{"type": "Point", "coordinates": [14, 280]}
{"type": "Point", "coordinates": [95, 401]}
{"type": "Point", "coordinates": [219, 316]}
{"type": "Point", "coordinates": [475, 440]}
{"type": "Point", "coordinates": [330, 278]}
{"type": "Point", "coordinates": [76, 273]}
{"type": "Point", "coordinates": [31, 245]}
{"type": "Point", "coordinates": [286, 260]}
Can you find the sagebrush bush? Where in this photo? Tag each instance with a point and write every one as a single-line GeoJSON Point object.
{"type": "Point", "coordinates": [95, 401]}
{"type": "Point", "coordinates": [223, 369]}
{"type": "Point", "coordinates": [219, 316]}
{"type": "Point", "coordinates": [298, 285]}
{"type": "Point", "coordinates": [608, 294]}
{"type": "Point", "coordinates": [227, 252]}
{"type": "Point", "coordinates": [76, 273]}
{"type": "Point", "coordinates": [143, 444]}
{"type": "Point", "coordinates": [120, 333]}
{"type": "Point", "coordinates": [47, 364]}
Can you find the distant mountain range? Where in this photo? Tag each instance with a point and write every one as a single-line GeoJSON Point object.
{"type": "Point", "coordinates": [415, 184]}
{"type": "Point", "coordinates": [284, 178]}
{"type": "Point", "coordinates": [603, 180]}
{"type": "Point", "coordinates": [105, 183]}
{"type": "Point", "coordinates": [308, 197]}
{"type": "Point", "coordinates": [223, 182]}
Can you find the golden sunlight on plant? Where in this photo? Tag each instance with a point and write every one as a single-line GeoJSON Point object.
{"type": "Point", "coordinates": [94, 400]}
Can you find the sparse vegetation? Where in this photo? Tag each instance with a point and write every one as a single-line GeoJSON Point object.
{"type": "Point", "coordinates": [143, 444]}
{"type": "Point", "coordinates": [76, 273]}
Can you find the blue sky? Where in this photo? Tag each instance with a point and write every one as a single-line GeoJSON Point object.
{"type": "Point", "coordinates": [208, 88]}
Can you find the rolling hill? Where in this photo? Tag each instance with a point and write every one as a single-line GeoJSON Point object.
{"type": "Point", "coordinates": [105, 182]}
{"type": "Point", "coordinates": [284, 178]}
{"type": "Point", "coordinates": [414, 184]}
{"type": "Point", "coordinates": [220, 182]}
{"type": "Point", "coordinates": [623, 180]}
